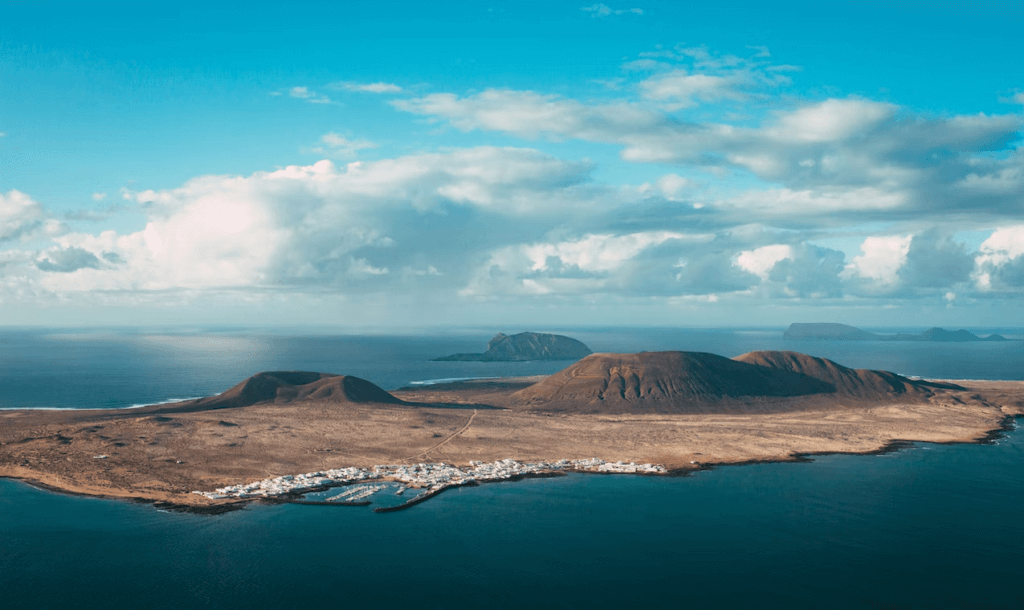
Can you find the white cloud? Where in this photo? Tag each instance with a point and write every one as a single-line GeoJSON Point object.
{"type": "Point", "coordinates": [761, 260]}
{"type": "Point", "coordinates": [603, 10]}
{"type": "Point", "coordinates": [532, 115]}
{"type": "Point", "coordinates": [378, 87]}
{"type": "Point", "coordinates": [644, 65]}
{"type": "Point", "coordinates": [17, 212]}
{"type": "Point", "coordinates": [303, 93]}
{"type": "Point", "coordinates": [66, 260]}
{"type": "Point", "coordinates": [99, 196]}
{"type": "Point", "coordinates": [671, 185]}
{"type": "Point", "coordinates": [338, 146]}
{"type": "Point", "coordinates": [999, 263]}
{"type": "Point", "coordinates": [880, 260]}
{"type": "Point", "coordinates": [317, 225]}
{"type": "Point", "coordinates": [683, 90]}
{"type": "Point", "coordinates": [693, 75]}
{"type": "Point", "coordinates": [597, 253]}
{"type": "Point", "coordinates": [787, 202]}
{"type": "Point", "coordinates": [808, 271]}
{"type": "Point", "coordinates": [852, 151]}
{"type": "Point", "coordinates": [830, 121]}
{"type": "Point", "coordinates": [360, 267]}
{"type": "Point", "coordinates": [1005, 244]}
{"type": "Point", "coordinates": [23, 218]}
{"type": "Point", "coordinates": [995, 178]}
{"type": "Point", "coordinates": [594, 263]}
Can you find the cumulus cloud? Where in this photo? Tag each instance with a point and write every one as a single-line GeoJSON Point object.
{"type": "Point", "coordinates": [592, 263]}
{"type": "Point", "coordinates": [999, 264]}
{"type": "Point", "coordinates": [603, 10]}
{"type": "Point", "coordinates": [758, 181]}
{"type": "Point", "coordinates": [303, 93]}
{"type": "Point", "coordinates": [361, 267]}
{"type": "Point", "coordinates": [761, 261]}
{"type": "Point", "coordinates": [321, 225]}
{"type": "Point", "coordinates": [880, 260]}
{"type": "Point", "coordinates": [935, 261]}
{"type": "Point", "coordinates": [809, 271]}
{"type": "Point", "coordinates": [687, 76]}
{"type": "Point", "coordinates": [849, 152]}
{"type": "Point", "coordinates": [378, 87]}
{"type": "Point", "coordinates": [532, 115]}
{"type": "Point", "coordinates": [18, 212]}
{"type": "Point", "coordinates": [769, 203]}
{"type": "Point", "coordinates": [335, 146]}
{"type": "Point", "coordinates": [1005, 244]}
{"type": "Point", "coordinates": [684, 89]}
{"type": "Point", "coordinates": [66, 260]}
{"type": "Point", "coordinates": [23, 218]}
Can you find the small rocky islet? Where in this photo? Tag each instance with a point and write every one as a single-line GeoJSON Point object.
{"type": "Point", "coordinates": [525, 347]}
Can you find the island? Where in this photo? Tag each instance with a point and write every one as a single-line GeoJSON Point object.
{"type": "Point", "coordinates": [286, 436]}
{"type": "Point", "coordinates": [523, 347]}
{"type": "Point", "coordinates": [841, 332]}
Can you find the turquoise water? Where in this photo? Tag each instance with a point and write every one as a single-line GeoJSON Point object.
{"type": "Point", "coordinates": [934, 526]}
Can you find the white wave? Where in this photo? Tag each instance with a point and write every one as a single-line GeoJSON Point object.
{"type": "Point", "coordinates": [448, 380]}
{"type": "Point", "coordinates": [135, 406]}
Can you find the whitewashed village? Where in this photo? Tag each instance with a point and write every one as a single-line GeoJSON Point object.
{"type": "Point", "coordinates": [430, 477]}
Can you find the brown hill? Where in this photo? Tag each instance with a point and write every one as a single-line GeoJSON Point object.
{"type": "Point", "coordinates": [859, 383]}
{"type": "Point", "coordinates": [662, 382]}
{"type": "Point", "coordinates": [290, 386]}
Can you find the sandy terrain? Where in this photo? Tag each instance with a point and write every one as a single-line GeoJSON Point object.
{"type": "Point", "coordinates": [162, 453]}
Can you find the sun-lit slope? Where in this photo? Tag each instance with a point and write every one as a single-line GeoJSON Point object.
{"type": "Point", "coordinates": [859, 383]}
{"type": "Point", "coordinates": [661, 382]}
{"type": "Point", "coordinates": [291, 386]}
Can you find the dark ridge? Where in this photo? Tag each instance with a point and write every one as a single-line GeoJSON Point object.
{"type": "Point", "coordinates": [525, 346]}
{"type": "Point", "coordinates": [836, 332]}
{"type": "Point", "coordinates": [860, 383]}
{"type": "Point", "coordinates": [946, 336]}
{"type": "Point", "coordinates": [842, 332]}
{"type": "Point", "coordinates": [661, 382]}
{"type": "Point", "coordinates": [288, 386]}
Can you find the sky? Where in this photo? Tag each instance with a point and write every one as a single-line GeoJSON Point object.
{"type": "Point", "coordinates": [528, 164]}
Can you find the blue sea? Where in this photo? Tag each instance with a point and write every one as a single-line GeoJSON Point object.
{"type": "Point", "coordinates": [931, 526]}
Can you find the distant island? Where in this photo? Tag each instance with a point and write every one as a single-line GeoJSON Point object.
{"type": "Point", "coordinates": [525, 346]}
{"type": "Point", "coordinates": [842, 332]}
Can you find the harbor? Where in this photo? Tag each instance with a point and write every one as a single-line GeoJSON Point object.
{"type": "Point", "coordinates": [431, 478]}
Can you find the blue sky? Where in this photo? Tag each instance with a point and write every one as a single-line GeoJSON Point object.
{"type": "Point", "coordinates": [529, 163]}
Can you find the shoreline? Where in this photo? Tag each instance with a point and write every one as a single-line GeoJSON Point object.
{"type": "Point", "coordinates": [1008, 423]}
{"type": "Point", "coordinates": [450, 434]}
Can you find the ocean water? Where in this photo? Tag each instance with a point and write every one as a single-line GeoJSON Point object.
{"type": "Point", "coordinates": [933, 526]}
{"type": "Point", "coordinates": [90, 369]}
